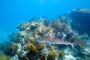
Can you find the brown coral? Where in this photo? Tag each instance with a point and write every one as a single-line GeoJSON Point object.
{"type": "Point", "coordinates": [52, 51]}
{"type": "Point", "coordinates": [51, 57]}
{"type": "Point", "coordinates": [31, 47]}
{"type": "Point", "coordinates": [43, 57]}
{"type": "Point", "coordinates": [40, 46]}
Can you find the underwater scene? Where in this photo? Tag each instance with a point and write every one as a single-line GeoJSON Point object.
{"type": "Point", "coordinates": [44, 30]}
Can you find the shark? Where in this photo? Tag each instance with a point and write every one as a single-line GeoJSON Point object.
{"type": "Point", "coordinates": [50, 40]}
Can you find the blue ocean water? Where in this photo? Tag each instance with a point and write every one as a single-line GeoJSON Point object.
{"type": "Point", "coordinates": [12, 12]}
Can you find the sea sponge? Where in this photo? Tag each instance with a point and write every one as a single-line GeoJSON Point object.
{"type": "Point", "coordinates": [4, 57]}
{"type": "Point", "coordinates": [31, 47]}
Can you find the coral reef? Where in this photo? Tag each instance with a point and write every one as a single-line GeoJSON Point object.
{"type": "Point", "coordinates": [57, 41]}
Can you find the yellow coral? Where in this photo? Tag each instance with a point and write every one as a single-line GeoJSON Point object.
{"type": "Point", "coordinates": [36, 36]}
{"type": "Point", "coordinates": [33, 23]}
{"type": "Point", "coordinates": [50, 30]}
{"type": "Point", "coordinates": [40, 28]}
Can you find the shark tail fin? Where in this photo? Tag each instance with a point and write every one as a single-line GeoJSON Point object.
{"type": "Point", "coordinates": [72, 46]}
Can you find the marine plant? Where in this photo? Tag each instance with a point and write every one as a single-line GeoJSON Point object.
{"type": "Point", "coordinates": [4, 57]}
{"type": "Point", "coordinates": [12, 36]}
{"type": "Point", "coordinates": [50, 57]}
{"type": "Point", "coordinates": [63, 19]}
{"type": "Point", "coordinates": [32, 48]}
{"type": "Point", "coordinates": [86, 58]}
{"type": "Point", "coordinates": [4, 45]}
{"type": "Point", "coordinates": [46, 22]}
{"type": "Point", "coordinates": [40, 46]}
{"type": "Point", "coordinates": [81, 43]}
{"type": "Point", "coordinates": [18, 36]}
{"type": "Point", "coordinates": [79, 28]}
{"type": "Point", "coordinates": [73, 38]}
{"type": "Point", "coordinates": [61, 53]}
{"type": "Point", "coordinates": [26, 38]}
{"type": "Point", "coordinates": [52, 51]}
{"type": "Point", "coordinates": [56, 24]}
{"type": "Point", "coordinates": [12, 47]}
{"type": "Point", "coordinates": [43, 57]}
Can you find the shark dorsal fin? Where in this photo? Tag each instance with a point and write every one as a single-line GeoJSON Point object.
{"type": "Point", "coordinates": [53, 35]}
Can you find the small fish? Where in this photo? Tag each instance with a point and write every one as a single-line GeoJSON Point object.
{"type": "Point", "coordinates": [52, 41]}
